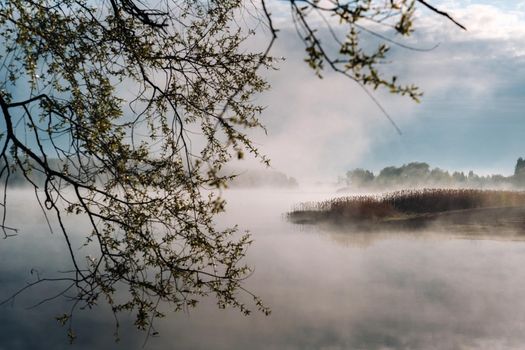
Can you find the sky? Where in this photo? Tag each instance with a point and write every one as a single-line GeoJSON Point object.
{"type": "Point", "coordinates": [471, 116]}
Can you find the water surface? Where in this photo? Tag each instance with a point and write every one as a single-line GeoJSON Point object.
{"type": "Point", "coordinates": [327, 289]}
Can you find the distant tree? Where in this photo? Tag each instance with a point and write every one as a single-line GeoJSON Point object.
{"type": "Point", "coordinates": [410, 174]}
{"type": "Point", "coordinates": [498, 179]}
{"type": "Point", "coordinates": [415, 173]}
{"type": "Point", "coordinates": [359, 177]}
{"type": "Point", "coordinates": [388, 176]}
{"type": "Point", "coordinates": [256, 178]}
{"type": "Point", "coordinates": [104, 100]}
{"type": "Point", "coordinates": [390, 172]}
{"type": "Point", "coordinates": [520, 166]}
{"type": "Point", "coordinates": [519, 172]}
{"type": "Point", "coordinates": [458, 177]}
{"type": "Point", "coordinates": [439, 176]}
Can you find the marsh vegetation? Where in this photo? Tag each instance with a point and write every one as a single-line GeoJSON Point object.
{"type": "Point", "coordinates": [417, 208]}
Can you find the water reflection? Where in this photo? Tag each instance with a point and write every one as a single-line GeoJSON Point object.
{"type": "Point", "coordinates": [328, 290]}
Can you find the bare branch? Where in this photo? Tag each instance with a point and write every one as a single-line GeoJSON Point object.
{"type": "Point", "coordinates": [442, 13]}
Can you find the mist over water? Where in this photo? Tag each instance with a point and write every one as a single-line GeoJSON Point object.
{"type": "Point", "coordinates": [328, 289]}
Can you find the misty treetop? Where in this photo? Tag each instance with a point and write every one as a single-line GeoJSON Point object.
{"type": "Point", "coordinates": [420, 174]}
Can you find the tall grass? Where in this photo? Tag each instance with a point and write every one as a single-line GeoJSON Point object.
{"type": "Point", "coordinates": [407, 202]}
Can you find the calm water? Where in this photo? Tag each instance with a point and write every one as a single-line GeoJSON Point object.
{"type": "Point", "coordinates": [327, 290]}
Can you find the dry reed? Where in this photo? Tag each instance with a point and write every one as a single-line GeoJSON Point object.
{"type": "Point", "coordinates": [407, 202]}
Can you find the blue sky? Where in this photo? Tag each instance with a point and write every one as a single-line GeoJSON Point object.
{"type": "Point", "coordinates": [472, 115]}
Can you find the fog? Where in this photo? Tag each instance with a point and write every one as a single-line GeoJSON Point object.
{"type": "Point", "coordinates": [327, 289]}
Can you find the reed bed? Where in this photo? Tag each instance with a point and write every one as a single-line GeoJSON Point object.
{"type": "Point", "coordinates": [406, 202]}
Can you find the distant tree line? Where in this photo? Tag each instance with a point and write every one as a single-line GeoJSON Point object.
{"type": "Point", "coordinates": [235, 178]}
{"type": "Point", "coordinates": [420, 174]}
{"type": "Point", "coordinates": [259, 178]}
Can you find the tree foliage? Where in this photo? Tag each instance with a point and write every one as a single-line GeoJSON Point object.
{"type": "Point", "coordinates": [127, 111]}
{"type": "Point", "coordinates": [419, 174]}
